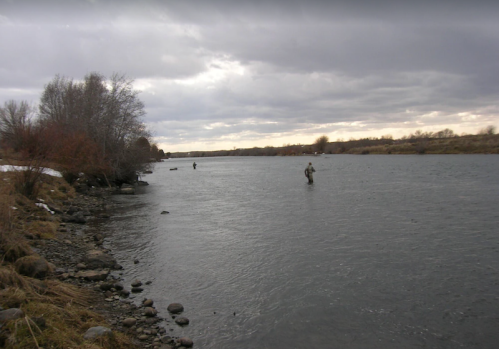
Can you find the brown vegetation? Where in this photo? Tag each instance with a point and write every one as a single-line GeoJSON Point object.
{"type": "Point", "coordinates": [92, 127]}
{"type": "Point", "coordinates": [56, 314]}
{"type": "Point", "coordinates": [442, 142]}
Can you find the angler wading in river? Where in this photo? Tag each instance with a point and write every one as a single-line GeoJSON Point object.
{"type": "Point", "coordinates": [309, 173]}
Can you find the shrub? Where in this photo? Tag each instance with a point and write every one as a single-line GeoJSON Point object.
{"type": "Point", "coordinates": [26, 181]}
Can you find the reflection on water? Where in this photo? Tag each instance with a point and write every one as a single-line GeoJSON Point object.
{"type": "Point", "coordinates": [380, 252]}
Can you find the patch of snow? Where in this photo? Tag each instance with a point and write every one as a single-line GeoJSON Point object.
{"type": "Point", "coordinates": [49, 171]}
{"type": "Point", "coordinates": [45, 207]}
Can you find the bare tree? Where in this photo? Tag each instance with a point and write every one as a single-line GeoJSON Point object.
{"type": "Point", "coordinates": [15, 120]}
{"type": "Point", "coordinates": [108, 111]}
{"type": "Point", "coordinates": [445, 133]}
{"type": "Point", "coordinates": [489, 130]}
{"type": "Point", "coordinates": [321, 142]}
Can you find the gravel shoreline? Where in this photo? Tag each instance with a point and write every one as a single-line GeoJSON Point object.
{"type": "Point", "coordinates": [80, 259]}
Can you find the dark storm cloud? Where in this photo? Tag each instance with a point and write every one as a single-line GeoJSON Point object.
{"type": "Point", "coordinates": [264, 68]}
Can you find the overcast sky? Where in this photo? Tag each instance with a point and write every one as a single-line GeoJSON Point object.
{"type": "Point", "coordinates": [224, 74]}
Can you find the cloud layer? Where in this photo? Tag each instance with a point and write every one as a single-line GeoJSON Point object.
{"type": "Point", "coordinates": [220, 74]}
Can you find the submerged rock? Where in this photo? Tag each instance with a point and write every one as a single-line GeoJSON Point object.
{"type": "Point", "coordinates": [182, 321]}
{"type": "Point", "coordinates": [175, 308]}
{"type": "Point", "coordinates": [185, 341]}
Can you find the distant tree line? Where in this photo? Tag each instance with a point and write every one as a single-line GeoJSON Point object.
{"type": "Point", "coordinates": [92, 126]}
{"type": "Point", "coordinates": [418, 142]}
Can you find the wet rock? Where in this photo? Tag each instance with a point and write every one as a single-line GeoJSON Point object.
{"type": "Point", "coordinates": [137, 289]}
{"type": "Point", "coordinates": [152, 320]}
{"type": "Point", "coordinates": [97, 259]}
{"type": "Point", "coordinates": [164, 212]}
{"type": "Point", "coordinates": [166, 339]}
{"type": "Point", "coordinates": [185, 341]}
{"type": "Point", "coordinates": [78, 218]}
{"type": "Point", "coordinates": [98, 237]}
{"type": "Point", "coordinates": [106, 286]}
{"type": "Point", "coordinates": [175, 308]}
{"type": "Point", "coordinates": [136, 283]}
{"type": "Point", "coordinates": [182, 321]}
{"type": "Point", "coordinates": [129, 322]}
{"type": "Point", "coordinates": [150, 312]}
{"type": "Point", "coordinates": [147, 303]}
{"type": "Point", "coordinates": [118, 286]}
{"type": "Point", "coordinates": [93, 275]}
{"type": "Point", "coordinates": [143, 337]}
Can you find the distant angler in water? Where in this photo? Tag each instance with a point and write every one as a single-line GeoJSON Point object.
{"type": "Point", "coordinates": [309, 173]}
{"type": "Point", "coordinates": [194, 165]}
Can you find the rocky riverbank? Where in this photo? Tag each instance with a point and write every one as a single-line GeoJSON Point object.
{"type": "Point", "coordinates": [76, 256]}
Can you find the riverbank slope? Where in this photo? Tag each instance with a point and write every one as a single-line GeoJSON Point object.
{"type": "Point", "coordinates": [56, 286]}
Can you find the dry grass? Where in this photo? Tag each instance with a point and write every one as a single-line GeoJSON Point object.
{"type": "Point", "coordinates": [42, 229]}
{"type": "Point", "coordinates": [15, 248]}
{"type": "Point", "coordinates": [54, 188]}
{"type": "Point", "coordinates": [64, 307]}
{"type": "Point", "coordinates": [64, 328]}
{"type": "Point", "coordinates": [9, 278]}
{"type": "Point", "coordinates": [48, 291]}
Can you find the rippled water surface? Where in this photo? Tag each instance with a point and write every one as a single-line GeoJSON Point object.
{"type": "Point", "coordinates": [380, 252]}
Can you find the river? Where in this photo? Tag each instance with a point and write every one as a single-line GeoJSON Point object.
{"type": "Point", "coordinates": [381, 251]}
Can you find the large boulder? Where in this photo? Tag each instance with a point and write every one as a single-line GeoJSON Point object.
{"type": "Point", "coordinates": [10, 314]}
{"type": "Point", "coordinates": [33, 266]}
{"type": "Point", "coordinates": [96, 259]}
{"type": "Point", "coordinates": [97, 332]}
